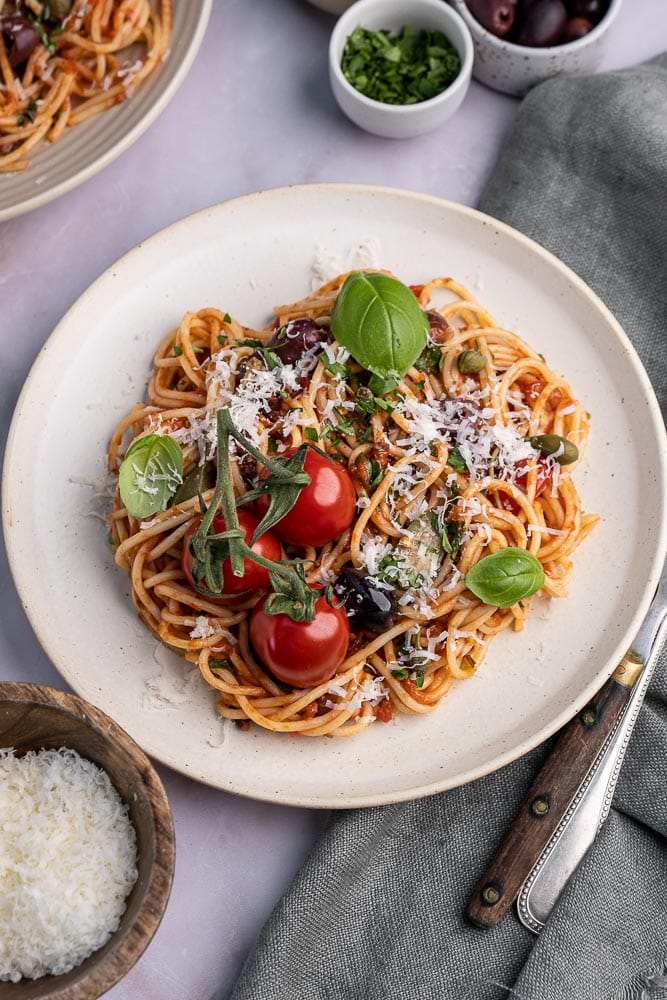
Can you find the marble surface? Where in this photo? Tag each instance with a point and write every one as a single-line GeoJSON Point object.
{"type": "Point", "coordinates": [255, 112]}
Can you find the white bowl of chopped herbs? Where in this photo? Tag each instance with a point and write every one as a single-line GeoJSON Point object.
{"type": "Point", "coordinates": [399, 69]}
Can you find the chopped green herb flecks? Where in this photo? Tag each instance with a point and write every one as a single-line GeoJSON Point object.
{"type": "Point", "coordinates": [457, 461]}
{"type": "Point", "coordinates": [375, 474]}
{"type": "Point", "coordinates": [311, 434]}
{"type": "Point", "coordinates": [178, 351]}
{"type": "Point", "coordinates": [221, 665]}
{"type": "Point", "coordinates": [28, 115]}
{"type": "Point", "coordinates": [399, 69]}
{"type": "Point", "coordinates": [429, 360]}
{"type": "Point", "coordinates": [334, 367]}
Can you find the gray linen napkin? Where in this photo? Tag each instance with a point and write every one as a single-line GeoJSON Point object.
{"type": "Point", "coordinates": [375, 912]}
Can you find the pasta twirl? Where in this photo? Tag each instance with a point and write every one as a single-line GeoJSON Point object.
{"type": "Point", "coordinates": [444, 471]}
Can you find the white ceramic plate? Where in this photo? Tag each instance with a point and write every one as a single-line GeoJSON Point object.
{"type": "Point", "coordinates": [85, 149]}
{"type": "Point", "coordinates": [244, 256]}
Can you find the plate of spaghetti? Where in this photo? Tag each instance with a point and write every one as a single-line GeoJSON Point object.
{"type": "Point", "coordinates": [353, 456]}
{"type": "Point", "coordinates": [79, 82]}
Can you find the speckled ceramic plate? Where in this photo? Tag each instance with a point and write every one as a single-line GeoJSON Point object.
{"type": "Point", "coordinates": [244, 256]}
{"type": "Point", "coordinates": [87, 148]}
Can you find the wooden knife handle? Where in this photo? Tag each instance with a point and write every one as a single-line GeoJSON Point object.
{"type": "Point", "coordinates": [549, 797]}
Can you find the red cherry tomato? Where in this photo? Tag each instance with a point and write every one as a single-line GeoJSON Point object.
{"type": "Point", "coordinates": [324, 509]}
{"type": "Point", "coordinates": [543, 480]}
{"type": "Point", "coordinates": [254, 577]}
{"type": "Point", "coordinates": [301, 654]}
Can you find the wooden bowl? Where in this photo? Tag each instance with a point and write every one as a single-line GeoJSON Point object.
{"type": "Point", "coordinates": [34, 718]}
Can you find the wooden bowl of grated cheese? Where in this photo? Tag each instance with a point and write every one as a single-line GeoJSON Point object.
{"type": "Point", "coordinates": [104, 870]}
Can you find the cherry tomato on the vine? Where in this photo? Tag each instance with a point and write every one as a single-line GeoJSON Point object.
{"type": "Point", "coordinates": [324, 509]}
{"type": "Point", "coordinates": [254, 577]}
{"type": "Point", "coordinates": [301, 654]}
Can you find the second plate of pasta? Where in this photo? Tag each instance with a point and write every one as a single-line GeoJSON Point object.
{"type": "Point", "coordinates": [488, 561]}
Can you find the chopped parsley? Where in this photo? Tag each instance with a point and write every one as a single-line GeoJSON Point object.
{"type": "Point", "coordinates": [28, 115]}
{"type": "Point", "coordinates": [178, 350]}
{"type": "Point", "coordinates": [221, 665]}
{"type": "Point", "coordinates": [457, 461]}
{"type": "Point", "coordinates": [335, 367]}
{"type": "Point", "coordinates": [406, 68]}
{"type": "Point", "coordinates": [450, 535]}
{"type": "Point", "coordinates": [311, 434]}
{"type": "Point", "coordinates": [375, 474]}
{"type": "Point", "coordinates": [429, 360]}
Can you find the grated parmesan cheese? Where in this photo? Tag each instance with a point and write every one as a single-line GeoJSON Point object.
{"type": "Point", "coordinates": [68, 861]}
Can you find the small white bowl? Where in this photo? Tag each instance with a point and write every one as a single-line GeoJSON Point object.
{"type": "Point", "coordinates": [514, 69]}
{"type": "Point", "coordinates": [400, 121]}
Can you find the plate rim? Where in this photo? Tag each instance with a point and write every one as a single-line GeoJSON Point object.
{"type": "Point", "coordinates": [128, 138]}
{"type": "Point", "coordinates": [285, 795]}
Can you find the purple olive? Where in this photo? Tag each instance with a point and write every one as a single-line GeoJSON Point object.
{"type": "Point", "coordinates": [542, 23]}
{"type": "Point", "coordinates": [576, 28]}
{"type": "Point", "coordinates": [497, 16]}
{"type": "Point", "coordinates": [592, 10]}
{"type": "Point", "coordinates": [21, 39]}
{"type": "Point", "coordinates": [369, 607]}
{"type": "Point", "coordinates": [440, 328]}
{"type": "Point", "coordinates": [297, 337]}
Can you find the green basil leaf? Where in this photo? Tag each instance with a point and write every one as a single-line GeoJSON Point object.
{"type": "Point", "coordinates": [505, 577]}
{"type": "Point", "coordinates": [380, 322]}
{"type": "Point", "coordinates": [381, 386]}
{"type": "Point", "coordinates": [150, 474]}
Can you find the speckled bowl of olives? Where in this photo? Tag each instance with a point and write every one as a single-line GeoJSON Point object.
{"type": "Point", "coordinates": [519, 43]}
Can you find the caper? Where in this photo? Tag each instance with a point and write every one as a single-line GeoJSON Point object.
{"type": "Point", "coordinates": [471, 362]}
{"type": "Point", "coordinates": [59, 9]}
{"type": "Point", "coordinates": [565, 452]}
{"type": "Point", "coordinates": [248, 365]}
{"type": "Point", "coordinates": [363, 395]}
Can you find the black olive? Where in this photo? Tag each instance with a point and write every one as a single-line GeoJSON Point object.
{"type": "Point", "coordinates": [576, 28]}
{"type": "Point", "coordinates": [440, 328]}
{"type": "Point", "coordinates": [541, 24]}
{"type": "Point", "coordinates": [497, 16]}
{"type": "Point", "coordinates": [369, 607]}
{"type": "Point", "coordinates": [297, 337]}
{"type": "Point", "coordinates": [21, 39]}
{"type": "Point", "coordinates": [592, 10]}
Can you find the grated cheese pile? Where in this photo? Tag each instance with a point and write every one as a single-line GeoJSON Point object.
{"type": "Point", "coordinates": [68, 860]}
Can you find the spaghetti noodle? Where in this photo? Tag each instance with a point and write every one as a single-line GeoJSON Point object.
{"type": "Point", "coordinates": [61, 71]}
{"type": "Point", "coordinates": [444, 472]}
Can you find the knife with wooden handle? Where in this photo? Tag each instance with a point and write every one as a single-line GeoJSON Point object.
{"type": "Point", "coordinates": [567, 783]}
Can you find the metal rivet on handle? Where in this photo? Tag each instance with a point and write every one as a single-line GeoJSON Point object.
{"type": "Point", "coordinates": [490, 894]}
{"type": "Point", "coordinates": [540, 806]}
{"type": "Point", "coordinates": [589, 717]}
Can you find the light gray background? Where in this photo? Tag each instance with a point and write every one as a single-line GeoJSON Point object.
{"type": "Point", "coordinates": [255, 112]}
